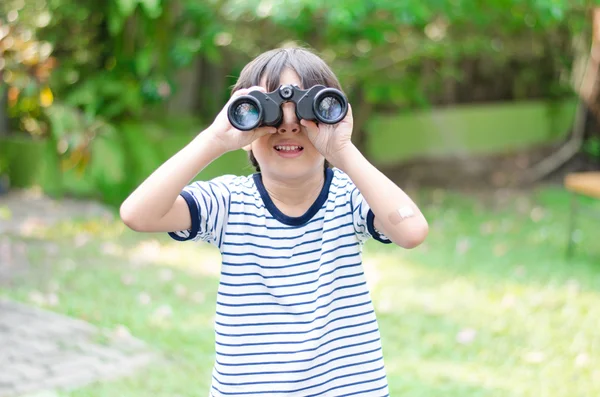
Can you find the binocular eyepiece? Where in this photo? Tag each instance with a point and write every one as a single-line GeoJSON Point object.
{"type": "Point", "coordinates": [318, 103]}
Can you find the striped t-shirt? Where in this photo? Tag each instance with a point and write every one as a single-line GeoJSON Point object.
{"type": "Point", "coordinates": [294, 315]}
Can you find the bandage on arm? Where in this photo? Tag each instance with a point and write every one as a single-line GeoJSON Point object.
{"type": "Point", "coordinates": [401, 214]}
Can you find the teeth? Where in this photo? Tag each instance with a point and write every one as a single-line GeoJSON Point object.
{"type": "Point", "coordinates": [287, 148]}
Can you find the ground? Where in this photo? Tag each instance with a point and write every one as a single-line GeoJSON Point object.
{"type": "Point", "coordinates": [488, 306]}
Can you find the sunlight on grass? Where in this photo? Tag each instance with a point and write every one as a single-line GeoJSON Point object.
{"type": "Point", "coordinates": [189, 256]}
{"type": "Point", "coordinates": [489, 306]}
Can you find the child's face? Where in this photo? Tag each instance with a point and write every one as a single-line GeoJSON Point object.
{"type": "Point", "coordinates": [287, 154]}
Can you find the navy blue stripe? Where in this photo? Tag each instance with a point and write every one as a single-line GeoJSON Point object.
{"type": "Point", "coordinates": [374, 233]}
{"type": "Point", "coordinates": [292, 247]}
{"type": "Point", "coordinates": [260, 314]}
{"type": "Point", "coordinates": [243, 193]}
{"type": "Point", "coordinates": [341, 186]}
{"type": "Point", "coordinates": [290, 285]}
{"type": "Point", "coordinates": [226, 211]}
{"type": "Point", "coordinates": [250, 253]}
{"type": "Point", "coordinates": [274, 382]}
{"type": "Point", "coordinates": [366, 391]}
{"type": "Point", "coordinates": [260, 216]}
{"type": "Point", "coordinates": [308, 387]}
{"type": "Point", "coordinates": [294, 294]}
{"type": "Point", "coordinates": [298, 370]}
{"type": "Point", "coordinates": [290, 304]}
{"type": "Point", "coordinates": [217, 209]}
{"type": "Point", "coordinates": [208, 209]}
{"type": "Point", "coordinates": [244, 234]}
{"type": "Point", "coordinates": [289, 257]}
{"type": "Point", "coordinates": [290, 227]}
{"type": "Point", "coordinates": [352, 384]}
{"type": "Point", "coordinates": [194, 216]}
{"type": "Point", "coordinates": [294, 322]}
{"type": "Point", "coordinates": [292, 265]}
{"type": "Point", "coordinates": [360, 211]}
{"type": "Point", "coordinates": [249, 204]}
{"type": "Point", "coordinates": [264, 216]}
{"type": "Point", "coordinates": [227, 263]}
{"type": "Point", "coordinates": [337, 206]}
{"type": "Point", "coordinates": [336, 217]}
{"type": "Point", "coordinates": [294, 342]}
{"type": "Point", "coordinates": [328, 323]}
{"type": "Point", "coordinates": [271, 247]}
{"type": "Point", "coordinates": [329, 201]}
{"type": "Point", "coordinates": [305, 360]}
{"type": "Point", "coordinates": [262, 276]}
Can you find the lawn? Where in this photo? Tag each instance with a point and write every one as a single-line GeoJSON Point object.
{"type": "Point", "coordinates": [489, 306]}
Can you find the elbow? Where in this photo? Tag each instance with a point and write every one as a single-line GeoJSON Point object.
{"type": "Point", "coordinates": [415, 237]}
{"type": "Point", "coordinates": [130, 219]}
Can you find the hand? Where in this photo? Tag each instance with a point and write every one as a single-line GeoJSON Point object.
{"type": "Point", "coordinates": [229, 137]}
{"type": "Point", "coordinates": [331, 140]}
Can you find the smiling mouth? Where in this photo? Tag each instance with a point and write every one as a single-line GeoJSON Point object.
{"type": "Point", "coordinates": [288, 148]}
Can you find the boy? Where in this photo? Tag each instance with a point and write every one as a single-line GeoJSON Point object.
{"type": "Point", "coordinates": [294, 315]}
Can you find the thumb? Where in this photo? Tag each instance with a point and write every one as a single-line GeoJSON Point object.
{"type": "Point", "coordinates": [311, 126]}
{"type": "Point", "coordinates": [262, 131]}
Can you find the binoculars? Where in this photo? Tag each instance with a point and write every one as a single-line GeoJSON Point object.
{"type": "Point", "coordinates": [318, 103]}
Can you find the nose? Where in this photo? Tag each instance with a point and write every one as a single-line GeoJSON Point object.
{"type": "Point", "coordinates": [289, 121]}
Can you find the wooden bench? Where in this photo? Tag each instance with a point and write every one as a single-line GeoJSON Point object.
{"type": "Point", "coordinates": [580, 184]}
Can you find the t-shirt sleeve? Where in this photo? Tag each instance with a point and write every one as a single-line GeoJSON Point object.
{"type": "Point", "coordinates": [363, 217]}
{"type": "Point", "coordinates": [208, 202]}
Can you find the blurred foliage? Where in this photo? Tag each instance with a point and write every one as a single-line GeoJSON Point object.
{"type": "Point", "coordinates": [121, 60]}
{"type": "Point", "coordinates": [26, 65]}
{"type": "Point", "coordinates": [592, 147]}
{"type": "Point", "coordinates": [119, 57]}
{"type": "Point", "coordinates": [489, 297]}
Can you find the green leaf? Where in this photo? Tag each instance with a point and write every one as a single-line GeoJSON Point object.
{"type": "Point", "coordinates": [126, 7]}
{"type": "Point", "coordinates": [115, 20]}
{"type": "Point", "coordinates": [143, 61]}
{"type": "Point", "coordinates": [153, 8]}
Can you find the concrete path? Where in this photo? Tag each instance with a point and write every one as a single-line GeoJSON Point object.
{"type": "Point", "coordinates": [41, 351]}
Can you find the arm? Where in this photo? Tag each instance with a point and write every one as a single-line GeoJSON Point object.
{"type": "Point", "coordinates": [384, 198]}
{"type": "Point", "coordinates": [381, 194]}
{"type": "Point", "coordinates": [156, 205]}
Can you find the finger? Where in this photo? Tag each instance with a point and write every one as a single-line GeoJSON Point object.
{"type": "Point", "coordinates": [244, 91]}
{"type": "Point", "coordinates": [310, 125]}
{"type": "Point", "coordinates": [265, 130]}
{"type": "Point", "coordinates": [261, 131]}
{"type": "Point", "coordinates": [349, 115]}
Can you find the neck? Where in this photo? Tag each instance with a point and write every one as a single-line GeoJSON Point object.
{"type": "Point", "coordinates": [296, 193]}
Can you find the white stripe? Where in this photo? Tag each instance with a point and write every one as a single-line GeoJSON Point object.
{"type": "Point", "coordinates": [294, 313]}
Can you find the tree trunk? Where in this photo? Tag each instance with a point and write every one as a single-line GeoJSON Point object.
{"type": "Point", "coordinates": [212, 89]}
{"type": "Point", "coordinates": [3, 110]}
{"type": "Point", "coordinates": [361, 111]}
{"type": "Point", "coordinates": [186, 96]}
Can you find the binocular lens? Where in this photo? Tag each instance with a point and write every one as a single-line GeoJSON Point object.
{"type": "Point", "coordinates": [330, 108]}
{"type": "Point", "coordinates": [246, 115]}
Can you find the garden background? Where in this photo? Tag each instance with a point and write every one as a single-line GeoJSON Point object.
{"type": "Point", "coordinates": [468, 105]}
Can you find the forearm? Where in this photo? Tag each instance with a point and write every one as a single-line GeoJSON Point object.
{"type": "Point", "coordinates": [385, 198]}
{"type": "Point", "coordinates": [155, 197]}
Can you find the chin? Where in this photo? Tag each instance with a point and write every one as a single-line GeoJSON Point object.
{"type": "Point", "coordinates": [291, 170]}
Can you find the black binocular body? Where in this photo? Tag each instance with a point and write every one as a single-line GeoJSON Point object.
{"type": "Point", "coordinates": [318, 103]}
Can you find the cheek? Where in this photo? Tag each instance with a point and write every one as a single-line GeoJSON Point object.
{"type": "Point", "coordinates": [261, 145]}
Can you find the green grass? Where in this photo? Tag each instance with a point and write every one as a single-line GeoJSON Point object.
{"type": "Point", "coordinates": [488, 306]}
{"type": "Point", "coordinates": [468, 130]}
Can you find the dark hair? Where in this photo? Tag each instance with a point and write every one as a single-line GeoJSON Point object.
{"type": "Point", "coordinates": [311, 69]}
